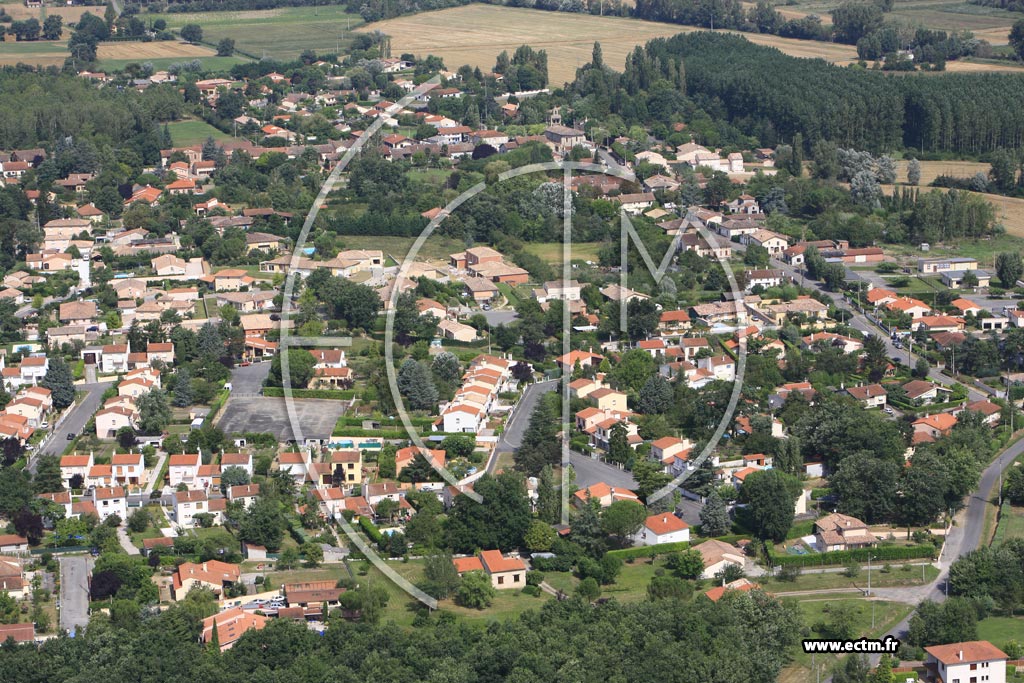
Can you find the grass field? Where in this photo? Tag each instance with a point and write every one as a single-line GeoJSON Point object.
{"type": "Point", "coordinates": [37, 52]}
{"type": "Point", "coordinates": [18, 11]}
{"type": "Point", "coordinates": [552, 251]}
{"type": "Point", "coordinates": [186, 133]}
{"type": "Point", "coordinates": [281, 33]}
{"type": "Point", "coordinates": [1011, 523]}
{"type": "Point", "coordinates": [998, 630]}
{"type": "Point", "coordinates": [435, 248]}
{"type": "Point", "coordinates": [476, 34]}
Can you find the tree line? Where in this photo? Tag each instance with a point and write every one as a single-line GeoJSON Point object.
{"type": "Point", "coordinates": [773, 96]}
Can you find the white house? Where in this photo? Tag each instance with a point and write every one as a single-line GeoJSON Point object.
{"type": "Point", "coordinates": [184, 468]}
{"type": "Point", "coordinates": [975, 661]}
{"type": "Point", "coordinates": [717, 555]}
{"type": "Point", "coordinates": [188, 504]}
{"type": "Point", "coordinates": [110, 500]}
{"type": "Point", "coordinates": [663, 528]}
{"type": "Point", "coordinates": [461, 418]}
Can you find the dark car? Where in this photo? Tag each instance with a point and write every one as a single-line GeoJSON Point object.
{"type": "Point", "coordinates": [71, 436]}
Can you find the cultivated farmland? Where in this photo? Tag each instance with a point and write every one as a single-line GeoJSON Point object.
{"type": "Point", "coordinates": [476, 34]}
{"type": "Point", "coordinates": [281, 33]}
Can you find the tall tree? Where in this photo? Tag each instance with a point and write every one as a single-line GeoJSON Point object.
{"type": "Point", "coordinates": [61, 382]}
{"type": "Point", "coordinates": [417, 386]}
{"type": "Point", "coordinates": [540, 445]}
{"type": "Point", "coordinates": [1009, 265]}
{"type": "Point", "coordinates": [548, 502]}
{"type": "Point", "coordinates": [714, 517]}
{"type": "Point", "coordinates": [769, 496]}
{"type": "Point", "coordinates": [154, 411]}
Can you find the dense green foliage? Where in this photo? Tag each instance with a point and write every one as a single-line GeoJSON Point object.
{"type": "Point", "coordinates": [665, 640]}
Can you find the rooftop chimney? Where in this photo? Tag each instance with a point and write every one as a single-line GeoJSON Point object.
{"type": "Point", "coordinates": [960, 655]}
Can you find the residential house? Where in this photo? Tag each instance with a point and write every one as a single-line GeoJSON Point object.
{"type": "Point", "coordinates": [128, 469]}
{"type": "Point", "coordinates": [230, 625]}
{"type": "Point", "coordinates": [976, 661]}
{"type": "Point", "coordinates": [663, 528]}
{"type": "Point", "coordinates": [842, 532]}
{"type": "Point", "coordinates": [188, 504]}
{"type": "Point", "coordinates": [212, 574]}
{"type": "Point", "coordinates": [243, 460]}
{"type": "Point", "coordinates": [183, 469]}
{"type": "Point", "coordinates": [246, 493]}
{"type": "Point", "coordinates": [78, 312]}
{"type": "Point", "coordinates": [604, 494]}
{"type": "Point", "coordinates": [110, 500]}
{"type": "Point", "coordinates": [869, 395]}
{"type": "Point", "coordinates": [504, 572]}
{"type": "Point", "coordinates": [717, 555]}
{"type": "Point", "coordinates": [932, 427]}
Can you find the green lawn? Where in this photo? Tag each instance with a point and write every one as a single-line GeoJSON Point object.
{"type": "Point", "coordinates": [281, 33]}
{"type": "Point", "coordinates": [998, 630]}
{"type": "Point", "coordinates": [187, 133]}
{"type": "Point", "coordinates": [433, 176]}
{"type": "Point", "coordinates": [1011, 523]}
{"type": "Point", "coordinates": [831, 580]}
{"type": "Point", "coordinates": [552, 251]}
{"type": "Point", "coordinates": [435, 248]}
{"type": "Point", "coordinates": [211, 63]}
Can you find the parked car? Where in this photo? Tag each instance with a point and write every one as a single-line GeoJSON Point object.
{"type": "Point", "coordinates": [71, 436]}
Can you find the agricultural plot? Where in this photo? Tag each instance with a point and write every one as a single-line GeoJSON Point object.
{"type": "Point", "coordinates": [476, 34]}
{"type": "Point", "coordinates": [187, 133]}
{"type": "Point", "coordinates": [281, 33]}
{"type": "Point", "coordinates": [36, 52]}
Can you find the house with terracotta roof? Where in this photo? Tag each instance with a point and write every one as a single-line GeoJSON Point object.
{"type": "Point", "coordinates": [75, 465]}
{"type": "Point", "coordinates": [991, 413]}
{"type": "Point", "coordinates": [188, 504]}
{"type": "Point", "coordinates": [20, 633]}
{"type": "Point", "coordinates": [78, 312]}
{"type": "Point", "coordinates": [405, 457]}
{"type": "Point", "coordinates": [586, 359]}
{"type": "Point", "coordinates": [842, 532]}
{"type": "Point", "coordinates": [229, 280]}
{"type": "Point", "coordinates": [109, 501]}
{"type": "Point", "coordinates": [243, 460]}
{"type": "Point", "coordinates": [604, 494]}
{"type": "Point", "coordinates": [128, 469]}
{"type": "Point", "coordinates": [974, 661]}
{"type": "Point", "coordinates": [212, 574]}
{"type": "Point", "coordinates": [244, 493]}
{"type": "Point", "coordinates": [504, 572]}
{"type": "Point", "coordinates": [662, 528]}
{"type": "Point", "coordinates": [231, 624]}
{"type": "Point", "coordinates": [717, 555]}
{"type": "Point", "coordinates": [112, 418]}
{"type": "Point", "coordinates": [915, 308]}
{"type": "Point", "coordinates": [183, 469]}
{"type": "Point", "coordinates": [12, 543]}
{"type": "Point", "coordinates": [740, 585]}
{"type": "Point", "coordinates": [869, 395]}
{"type": "Point", "coordinates": [932, 427]}
{"type": "Point", "coordinates": [923, 392]}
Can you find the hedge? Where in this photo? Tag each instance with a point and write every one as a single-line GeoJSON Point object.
{"type": "Point", "coordinates": [841, 557]}
{"type": "Point", "coordinates": [397, 433]}
{"type": "Point", "coordinates": [372, 531]}
{"type": "Point", "coordinates": [332, 394]}
{"type": "Point", "coordinates": [357, 421]}
{"type": "Point", "coordinates": [649, 550]}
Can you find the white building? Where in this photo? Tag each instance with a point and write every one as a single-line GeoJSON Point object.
{"type": "Point", "coordinates": [663, 528]}
{"type": "Point", "coordinates": [109, 501]}
{"type": "Point", "coordinates": [977, 661]}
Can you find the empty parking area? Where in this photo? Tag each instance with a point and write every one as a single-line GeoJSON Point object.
{"type": "Point", "coordinates": [315, 419]}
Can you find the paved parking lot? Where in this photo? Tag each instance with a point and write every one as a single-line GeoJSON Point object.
{"type": "Point", "coordinates": [315, 418]}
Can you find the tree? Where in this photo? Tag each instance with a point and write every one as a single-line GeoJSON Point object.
{"type": "Point", "coordinates": [183, 395]}
{"type": "Point", "coordinates": [688, 564]}
{"type": "Point", "coordinates": [540, 445]}
{"type": "Point", "coordinates": [233, 475]}
{"type": "Point", "coordinates": [312, 554]}
{"type": "Point", "coordinates": [883, 671]}
{"type": "Point", "coordinates": [668, 588]}
{"type": "Point", "coordinates": [548, 501]}
{"type": "Point", "coordinates": [53, 27]}
{"type": "Point", "coordinates": [1009, 265]}
{"type": "Point", "coordinates": [263, 524]}
{"type": "Point", "coordinates": [61, 382]}
{"type": "Point", "coordinates": [192, 33]}
{"type": "Point", "coordinates": [475, 591]}
{"type": "Point", "coordinates": [854, 669]}
{"type": "Point", "coordinates": [623, 519]}
{"type": "Point", "coordinates": [540, 537]}
{"type": "Point", "coordinates": [656, 396]}
{"type": "Point", "coordinates": [301, 368]}
{"type": "Point", "coordinates": [769, 496]}
{"type": "Point", "coordinates": [500, 521]}
{"type": "Point", "coordinates": [441, 579]}
{"type": "Point", "coordinates": [154, 411]}
{"type": "Point", "coordinates": [226, 47]}
{"type": "Point", "coordinates": [9, 612]}
{"type": "Point", "coordinates": [866, 487]}
{"type": "Point", "coordinates": [445, 367]}
{"type": "Point", "coordinates": [589, 589]}
{"type": "Point", "coordinates": [139, 520]}
{"type": "Point", "coordinates": [417, 386]}
{"type": "Point", "coordinates": [1013, 487]}
{"type": "Point", "coordinates": [865, 190]}
{"type": "Point", "coordinates": [1004, 170]}
{"type": "Point", "coordinates": [714, 517]}
{"type": "Point", "coordinates": [1017, 38]}
{"type": "Point", "coordinates": [914, 171]}
{"type": "Point", "coordinates": [619, 449]}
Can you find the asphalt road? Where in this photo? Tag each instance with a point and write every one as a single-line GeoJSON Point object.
{"type": "Point", "coordinates": [74, 591]}
{"type": "Point", "coordinates": [512, 437]}
{"type": "Point", "coordinates": [862, 324]}
{"type": "Point", "coordinates": [74, 423]}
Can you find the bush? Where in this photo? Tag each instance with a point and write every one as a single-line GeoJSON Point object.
{"type": "Point", "coordinates": [843, 557]}
{"type": "Point", "coordinates": [534, 578]}
{"type": "Point", "coordinates": [789, 573]}
{"type": "Point", "coordinates": [649, 550]}
{"type": "Point", "coordinates": [852, 570]}
{"type": "Point", "coordinates": [559, 563]}
{"type": "Point", "coordinates": [535, 591]}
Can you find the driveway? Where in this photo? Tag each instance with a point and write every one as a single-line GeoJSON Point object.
{"type": "Point", "coordinates": [512, 437]}
{"type": "Point", "coordinates": [74, 423]}
{"type": "Point", "coordinates": [496, 317]}
{"type": "Point", "coordinates": [74, 591]}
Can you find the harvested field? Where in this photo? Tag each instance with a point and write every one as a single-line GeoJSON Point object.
{"type": "Point", "coordinates": [476, 34]}
{"type": "Point", "coordinates": [930, 170]}
{"type": "Point", "coordinates": [139, 51]}
{"type": "Point", "coordinates": [71, 14]}
{"type": "Point", "coordinates": [36, 52]}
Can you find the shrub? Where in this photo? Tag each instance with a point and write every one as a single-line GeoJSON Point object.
{"type": "Point", "coordinates": [535, 591]}
{"type": "Point", "coordinates": [534, 578]}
